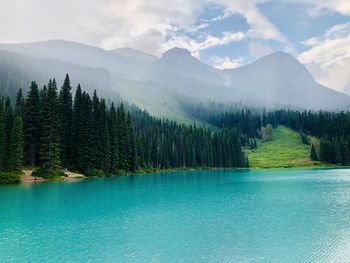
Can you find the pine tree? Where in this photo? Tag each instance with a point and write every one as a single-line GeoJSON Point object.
{"type": "Point", "coordinates": [96, 151]}
{"type": "Point", "coordinates": [65, 114]}
{"type": "Point", "coordinates": [122, 139]}
{"type": "Point", "coordinates": [77, 129]}
{"type": "Point", "coordinates": [32, 126]}
{"type": "Point", "coordinates": [325, 150]}
{"type": "Point", "coordinates": [86, 157]}
{"type": "Point", "coordinates": [16, 146]}
{"type": "Point", "coordinates": [8, 124]}
{"type": "Point", "coordinates": [20, 104]}
{"type": "Point", "coordinates": [113, 140]}
{"type": "Point", "coordinates": [105, 158]}
{"type": "Point", "coordinates": [313, 153]}
{"type": "Point", "coordinates": [2, 136]}
{"type": "Point", "coordinates": [130, 144]}
{"type": "Point", "coordinates": [49, 148]}
{"type": "Point", "coordinates": [338, 157]}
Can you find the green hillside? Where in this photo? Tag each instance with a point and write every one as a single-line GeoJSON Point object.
{"type": "Point", "coordinates": [284, 150]}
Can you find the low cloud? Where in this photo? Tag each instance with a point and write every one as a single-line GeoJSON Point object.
{"type": "Point", "coordinates": [226, 62]}
{"type": "Point", "coordinates": [328, 57]}
{"type": "Point", "coordinates": [195, 46]}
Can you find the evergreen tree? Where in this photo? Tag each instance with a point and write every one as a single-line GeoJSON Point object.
{"type": "Point", "coordinates": [16, 146]}
{"type": "Point", "coordinates": [313, 153]}
{"type": "Point", "coordinates": [8, 124]}
{"type": "Point", "coordinates": [131, 146]}
{"type": "Point", "coordinates": [20, 104]}
{"type": "Point", "coordinates": [113, 135]}
{"type": "Point", "coordinates": [77, 129]}
{"type": "Point", "coordinates": [32, 126]}
{"type": "Point", "coordinates": [122, 139]}
{"type": "Point", "coordinates": [86, 157]}
{"type": "Point", "coordinates": [2, 135]}
{"type": "Point", "coordinates": [96, 121]}
{"type": "Point", "coordinates": [325, 150]}
{"type": "Point", "coordinates": [49, 148]}
{"type": "Point", "coordinates": [65, 113]}
{"type": "Point", "coordinates": [105, 158]}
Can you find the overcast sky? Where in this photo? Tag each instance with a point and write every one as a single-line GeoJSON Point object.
{"type": "Point", "coordinates": [223, 33]}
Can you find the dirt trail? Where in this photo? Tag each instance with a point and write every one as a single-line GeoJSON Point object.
{"type": "Point", "coordinates": [27, 177]}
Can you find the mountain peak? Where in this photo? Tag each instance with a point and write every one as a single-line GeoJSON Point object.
{"type": "Point", "coordinates": [176, 51]}
{"type": "Point", "coordinates": [280, 56]}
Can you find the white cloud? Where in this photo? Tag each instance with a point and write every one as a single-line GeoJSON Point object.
{"type": "Point", "coordinates": [328, 57]}
{"type": "Point", "coordinates": [195, 46]}
{"type": "Point", "coordinates": [319, 6]}
{"type": "Point", "coordinates": [260, 26]}
{"type": "Point", "coordinates": [226, 62]}
{"type": "Point", "coordinates": [140, 24]}
{"type": "Point", "coordinates": [154, 25]}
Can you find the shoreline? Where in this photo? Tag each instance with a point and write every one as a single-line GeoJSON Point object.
{"type": "Point", "coordinates": [27, 178]}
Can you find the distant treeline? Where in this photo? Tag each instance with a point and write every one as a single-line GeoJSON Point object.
{"type": "Point", "coordinates": [333, 129]}
{"type": "Point", "coordinates": [50, 129]}
{"type": "Point", "coordinates": [164, 144]}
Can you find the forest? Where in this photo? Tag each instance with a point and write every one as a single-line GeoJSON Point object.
{"type": "Point", "coordinates": [50, 130]}
{"type": "Point", "coordinates": [332, 128]}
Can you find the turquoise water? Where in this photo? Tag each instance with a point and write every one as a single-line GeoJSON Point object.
{"type": "Point", "coordinates": [199, 216]}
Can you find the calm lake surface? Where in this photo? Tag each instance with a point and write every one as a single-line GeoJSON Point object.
{"type": "Point", "coordinates": [197, 216]}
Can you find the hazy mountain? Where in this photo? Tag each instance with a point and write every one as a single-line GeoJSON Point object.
{"type": "Point", "coordinates": [135, 55]}
{"type": "Point", "coordinates": [280, 78]}
{"type": "Point", "coordinates": [17, 71]}
{"type": "Point", "coordinates": [158, 84]}
{"type": "Point", "coordinates": [347, 90]}
{"type": "Point", "coordinates": [124, 64]}
{"type": "Point", "coordinates": [275, 80]}
{"type": "Point", "coordinates": [178, 63]}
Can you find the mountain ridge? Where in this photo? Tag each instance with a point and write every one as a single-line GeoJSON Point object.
{"type": "Point", "coordinates": [275, 80]}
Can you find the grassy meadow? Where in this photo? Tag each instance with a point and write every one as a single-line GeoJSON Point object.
{"type": "Point", "coordinates": [284, 150]}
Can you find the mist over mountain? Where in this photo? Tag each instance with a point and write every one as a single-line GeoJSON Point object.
{"type": "Point", "coordinates": [159, 84]}
{"type": "Point", "coordinates": [17, 71]}
{"type": "Point", "coordinates": [280, 78]}
{"type": "Point", "coordinates": [121, 62]}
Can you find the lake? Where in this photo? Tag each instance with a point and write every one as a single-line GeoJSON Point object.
{"type": "Point", "coordinates": [197, 216]}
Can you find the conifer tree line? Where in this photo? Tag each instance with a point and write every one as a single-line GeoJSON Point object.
{"type": "Point", "coordinates": [332, 128]}
{"type": "Point", "coordinates": [166, 144]}
{"type": "Point", "coordinates": [51, 129]}
{"type": "Point", "coordinates": [47, 129]}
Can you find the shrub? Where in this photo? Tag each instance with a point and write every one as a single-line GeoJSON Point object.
{"type": "Point", "coordinates": [10, 178]}
{"type": "Point", "coordinates": [95, 173]}
{"type": "Point", "coordinates": [47, 173]}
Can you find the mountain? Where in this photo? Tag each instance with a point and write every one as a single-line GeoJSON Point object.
{"type": "Point", "coordinates": [280, 78]}
{"type": "Point", "coordinates": [179, 63]}
{"type": "Point", "coordinates": [159, 85]}
{"type": "Point", "coordinates": [17, 71]}
{"type": "Point", "coordinates": [135, 55]}
{"type": "Point", "coordinates": [118, 63]}
{"type": "Point", "coordinates": [347, 90]}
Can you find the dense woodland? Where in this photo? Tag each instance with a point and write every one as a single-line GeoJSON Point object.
{"type": "Point", "coordinates": [52, 130]}
{"type": "Point", "coordinates": [332, 128]}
